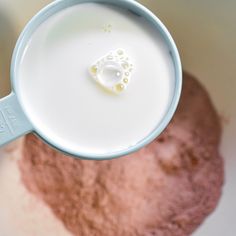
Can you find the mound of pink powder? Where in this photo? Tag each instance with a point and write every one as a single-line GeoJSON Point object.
{"type": "Point", "coordinates": [166, 189]}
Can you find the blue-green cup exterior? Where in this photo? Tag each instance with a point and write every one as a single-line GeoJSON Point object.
{"type": "Point", "coordinates": [136, 8]}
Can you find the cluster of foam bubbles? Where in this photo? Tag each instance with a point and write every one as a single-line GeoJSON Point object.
{"type": "Point", "coordinates": [113, 71]}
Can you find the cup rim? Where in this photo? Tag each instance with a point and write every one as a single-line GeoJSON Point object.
{"type": "Point", "coordinates": [136, 8]}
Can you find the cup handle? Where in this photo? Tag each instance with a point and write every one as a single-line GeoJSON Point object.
{"type": "Point", "coordinates": [13, 122]}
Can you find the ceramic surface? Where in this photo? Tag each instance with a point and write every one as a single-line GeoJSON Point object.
{"type": "Point", "coordinates": [205, 33]}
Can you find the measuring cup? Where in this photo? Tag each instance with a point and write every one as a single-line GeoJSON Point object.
{"type": "Point", "coordinates": [14, 120]}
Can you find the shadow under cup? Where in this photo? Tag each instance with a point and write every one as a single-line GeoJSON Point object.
{"type": "Point", "coordinates": [15, 118]}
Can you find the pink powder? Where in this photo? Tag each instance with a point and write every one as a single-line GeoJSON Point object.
{"type": "Point", "coordinates": [166, 189]}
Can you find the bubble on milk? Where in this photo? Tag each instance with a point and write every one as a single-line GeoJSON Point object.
{"type": "Point", "coordinates": [113, 71]}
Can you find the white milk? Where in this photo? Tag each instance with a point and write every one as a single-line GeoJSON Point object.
{"type": "Point", "coordinates": [64, 101]}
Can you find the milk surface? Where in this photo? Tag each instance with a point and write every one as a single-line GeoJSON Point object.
{"type": "Point", "coordinates": [67, 105]}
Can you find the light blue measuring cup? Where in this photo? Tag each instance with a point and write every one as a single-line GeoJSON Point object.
{"type": "Point", "coordinates": [14, 120]}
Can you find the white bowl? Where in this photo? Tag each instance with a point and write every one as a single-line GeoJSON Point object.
{"type": "Point", "coordinates": [205, 33]}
